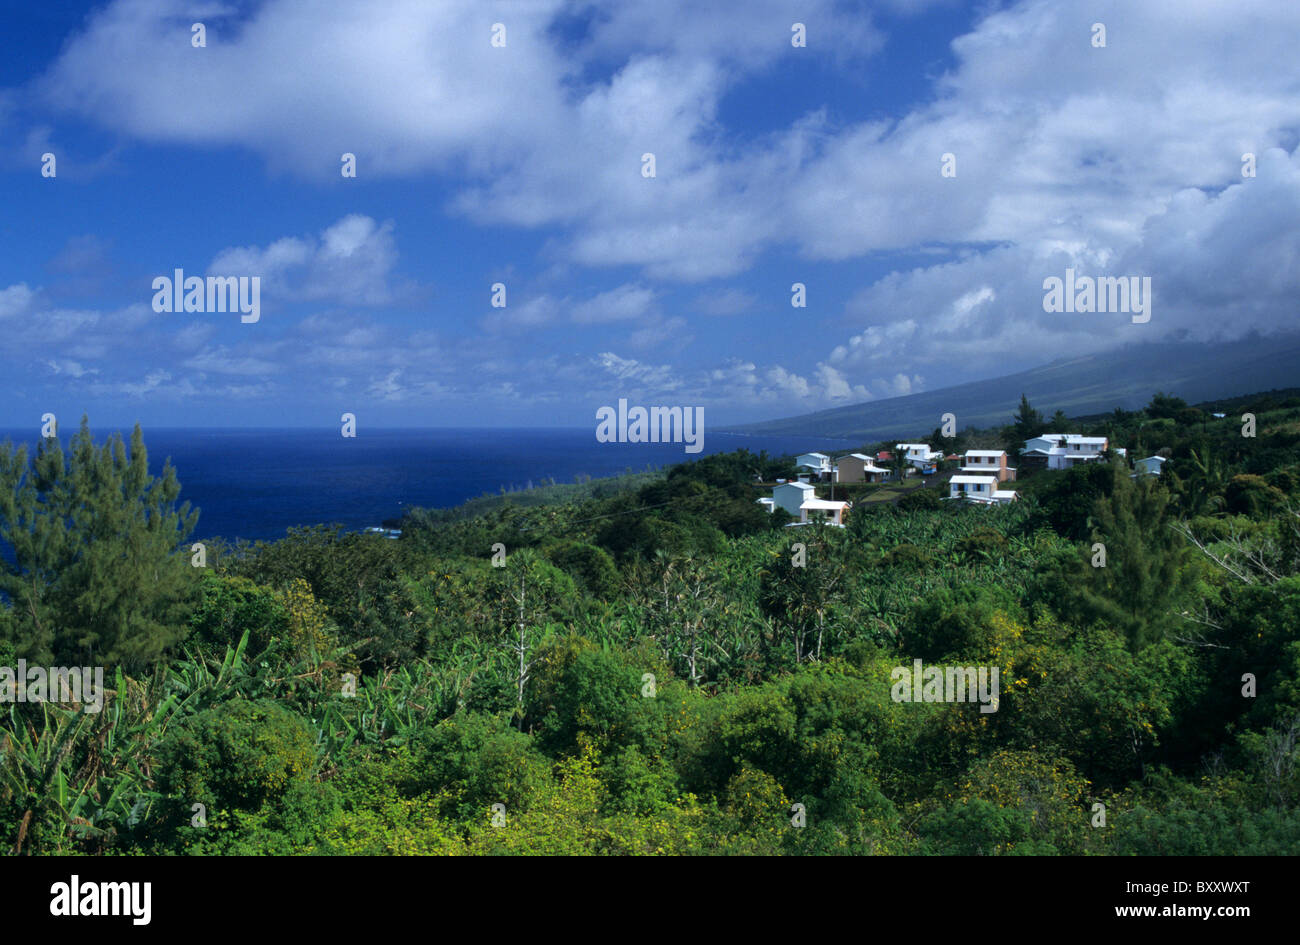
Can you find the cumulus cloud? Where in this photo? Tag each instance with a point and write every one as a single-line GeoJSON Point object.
{"type": "Point", "coordinates": [658, 378]}
{"type": "Point", "coordinates": [1124, 160]}
{"type": "Point", "coordinates": [350, 262]}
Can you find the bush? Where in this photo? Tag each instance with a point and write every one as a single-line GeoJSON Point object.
{"type": "Point", "coordinates": [907, 556]}
{"type": "Point", "coordinates": [230, 606]}
{"type": "Point", "coordinates": [1251, 495]}
{"type": "Point", "coordinates": [591, 567]}
{"type": "Point", "coordinates": [927, 497]}
{"type": "Point", "coordinates": [982, 543]}
{"type": "Point", "coordinates": [480, 760]}
{"type": "Point", "coordinates": [237, 755]}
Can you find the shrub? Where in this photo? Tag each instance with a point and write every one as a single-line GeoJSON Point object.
{"type": "Point", "coordinates": [239, 755]}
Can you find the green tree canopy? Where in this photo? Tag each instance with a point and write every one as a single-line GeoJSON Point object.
{"type": "Point", "coordinates": [99, 573]}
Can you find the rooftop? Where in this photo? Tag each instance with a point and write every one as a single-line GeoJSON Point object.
{"type": "Point", "coordinates": [822, 504]}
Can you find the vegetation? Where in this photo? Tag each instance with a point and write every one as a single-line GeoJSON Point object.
{"type": "Point", "coordinates": [655, 665]}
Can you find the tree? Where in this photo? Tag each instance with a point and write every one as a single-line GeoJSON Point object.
{"type": "Point", "coordinates": [1202, 486]}
{"type": "Point", "coordinates": [799, 593]}
{"type": "Point", "coordinates": [1165, 406]}
{"type": "Point", "coordinates": [359, 580]}
{"type": "Point", "coordinates": [531, 588]}
{"type": "Point", "coordinates": [681, 605]}
{"type": "Point", "coordinates": [1252, 496]}
{"type": "Point", "coordinates": [1146, 567]}
{"type": "Point", "coordinates": [99, 573]}
{"type": "Point", "coordinates": [898, 464]}
{"type": "Point", "coordinates": [1027, 423]}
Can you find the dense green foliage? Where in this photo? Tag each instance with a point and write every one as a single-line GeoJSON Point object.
{"type": "Point", "coordinates": [97, 574]}
{"type": "Point", "coordinates": [656, 665]}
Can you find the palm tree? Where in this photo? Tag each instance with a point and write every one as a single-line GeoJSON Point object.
{"type": "Point", "coordinates": [1204, 484]}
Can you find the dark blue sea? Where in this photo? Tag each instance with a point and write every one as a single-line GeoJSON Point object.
{"type": "Point", "coordinates": [256, 483]}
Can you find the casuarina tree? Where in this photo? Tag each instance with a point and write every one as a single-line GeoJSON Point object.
{"type": "Point", "coordinates": [95, 569]}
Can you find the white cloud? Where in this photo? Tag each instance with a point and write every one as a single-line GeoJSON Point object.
{"type": "Point", "coordinates": [221, 361]}
{"type": "Point", "coordinates": [642, 376]}
{"type": "Point", "coordinates": [351, 262]}
{"type": "Point", "coordinates": [16, 300]}
{"type": "Point", "coordinates": [533, 313]}
{"type": "Point", "coordinates": [625, 303]}
{"type": "Point", "coordinates": [69, 367]}
{"type": "Point", "coordinates": [1123, 160]}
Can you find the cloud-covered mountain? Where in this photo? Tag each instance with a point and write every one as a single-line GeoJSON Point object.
{"type": "Point", "coordinates": [1089, 384]}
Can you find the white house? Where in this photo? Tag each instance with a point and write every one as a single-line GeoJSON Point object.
{"type": "Point", "coordinates": [1150, 466]}
{"type": "Point", "coordinates": [1063, 450]}
{"type": "Point", "coordinates": [987, 462]}
{"type": "Point", "coordinates": [832, 511]}
{"type": "Point", "coordinates": [791, 495]}
{"type": "Point", "coordinates": [919, 454]}
{"type": "Point", "coordinates": [800, 498]}
{"type": "Point", "coordinates": [817, 464]}
{"type": "Point", "coordinates": [982, 489]}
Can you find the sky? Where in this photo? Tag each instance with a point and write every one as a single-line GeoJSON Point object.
{"type": "Point", "coordinates": [920, 167]}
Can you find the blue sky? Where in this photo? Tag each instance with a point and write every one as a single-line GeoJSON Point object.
{"type": "Point", "coordinates": [522, 165]}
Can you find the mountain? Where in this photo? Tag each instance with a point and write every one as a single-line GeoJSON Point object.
{"type": "Point", "coordinates": [1092, 384]}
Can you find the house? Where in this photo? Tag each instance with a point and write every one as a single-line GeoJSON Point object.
{"type": "Point", "coordinates": [815, 464]}
{"type": "Point", "coordinates": [800, 498]}
{"type": "Point", "coordinates": [976, 488]}
{"type": "Point", "coordinates": [1062, 450]}
{"type": "Point", "coordinates": [884, 456]}
{"type": "Point", "coordinates": [983, 489]}
{"type": "Point", "coordinates": [791, 495]}
{"type": "Point", "coordinates": [919, 454]}
{"type": "Point", "coordinates": [832, 511]}
{"type": "Point", "coordinates": [988, 462]}
{"type": "Point", "coordinates": [858, 467]}
{"type": "Point", "coordinates": [1150, 466]}
{"type": "Point", "coordinates": [1218, 416]}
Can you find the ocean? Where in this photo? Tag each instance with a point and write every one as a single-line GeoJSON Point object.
{"type": "Point", "coordinates": [256, 483]}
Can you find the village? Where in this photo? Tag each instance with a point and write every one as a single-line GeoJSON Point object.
{"type": "Point", "coordinates": [977, 475]}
